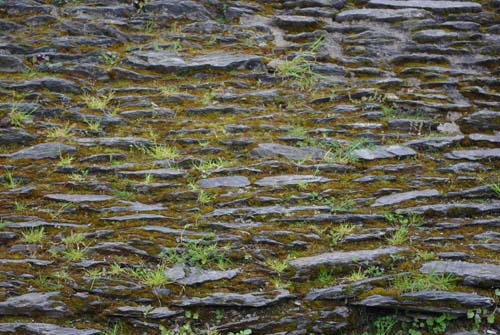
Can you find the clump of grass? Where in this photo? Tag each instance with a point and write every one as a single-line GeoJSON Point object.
{"type": "Point", "coordinates": [155, 277]}
{"type": "Point", "coordinates": [496, 188]}
{"type": "Point", "coordinates": [344, 152]}
{"type": "Point", "coordinates": [205, 197]}
{"type": "Point", "coordinates": [205, 166]}
{"type": "Point", "coordinates": [356, 275]}
{"type": "Point", "coordinates": [33, 235]}
{"type": "Point", "coordinates": [338, 233]}
{"type": "Point", "coordinates": [65, 160]}
{"type": "Point", "coordinates": [93, 125]}
{"type": "Point", "coordinates": [197, 253]}
{"type": "Point", "coordinates": [400, 236]}
{"type": "Point", "coordinates": [73, 239]}
{"type": "Point", "coordinates": [18, 117]}
{"type": "Point", "coordinates": [99, 102]}
{"type": "Point", "coordinates": [75, 253]}
{"type": "Point", "coordinates": [420, 281]}
{"type": "Point", "coordinates": [10, 181]}
{"type": "Point", "coordinates": [277, 265]}
{"type": "Point", "coordinates": [168, 90]}
{"type": "Point", "coordinates": [161, 151]}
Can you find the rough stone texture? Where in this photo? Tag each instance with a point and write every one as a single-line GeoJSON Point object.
{"type": "Point", "coordinates": [52, 150]}
{"type": "Point", "coordinates": [474, 274]}
{"type": "Point", "coordinates": [434, 6]}
{"type": "Point", "coordinates": [290, 180]}
{"type": "Point", "coordinates": [384, 15]}
{"type": "Point", "coordinates": [77, 198]}
{"type": "Point", "coordinates": [395, 198]}
{"type": "Point", "coordinates": [260, 299]}
{"type": "Point", "coordinates": [265, 150]}
{"type": "Point", "coordinates": [34, 328]}
{"type": "Point", "coordinates": [32, 304]}
{"type": "Point", "coordinates": [384, 152]}
{"type": "Point", "coordinates": [231, 181]}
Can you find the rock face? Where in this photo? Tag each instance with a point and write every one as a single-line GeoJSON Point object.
{"type": "Point", "coordinates": [171, 62]}
{"type": "Point", "coordinates": [384, 15]}
{"type": "Point", "coordinates": [260, 299]}
{"type": "Point", "coordinates": [432, 301]}
{"type": "Point", "coordinates": [233, 181]}
{"type": "Point", "coordinates": [43, 329]}
{"type": "Point", "coordinates": [400, 197]}
{"type": "Point", "coordinates": [11, 64]}
{"type": "Point", "coordinates": [391, 151]}
{"type": "Point", "coordinates": [434, 6]}
{"type": "Point", "coordinates": [474, 274]}
{"type": "Point", "coordinates": [290, 180]}
{"type": "Point", "coordinates": [269, 150]}
{"type": "Point", "coordinates": [33, 304]}
{"type": "Point", "coordinates": [77, 198]}
{"type": "Point", "coordinates": [343, 258]}
{"type": "Point", "coordinates": [52, 150]}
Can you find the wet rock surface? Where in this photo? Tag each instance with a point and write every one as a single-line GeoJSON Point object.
{"type": "Point", "coordinates": [286, 167]}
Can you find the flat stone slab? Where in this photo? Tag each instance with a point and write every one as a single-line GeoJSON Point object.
{"type": "Point", "coordinates": [435, 143]}
{"type": "Point", "coordinates": [144, 311]}
{"type": "Point", "coordinates": [290, 179]}
{"type": "Point", "coordinates": [230, 181]}
{"type": "Point", "coordinates": [456, 209]}
{"type": "Point", "coordinates": [343, 257]}
{"type": "Point", "coordinates": [77, 198]}
{"type": "Point", "coordinates": [493, 139]}
{"type": "Point", "coordinates": [156, 173]}
{"type": "Point", "coordinates": [383, 15]}
{"type": "Point", "coordinates": [35, 328]}
{"type": "Point", "coordinates": [258, 299]}
{"type": "Point", "coordinates": [172, 62]}
{"type": "Point", "coordinates": [474, 274]}
{"type": "Point", "coordinates": [269, 150]}
{"type": "Point", "coordinates": [11, 64]}
{"type": "Point", "coordinates": [49, 150]}
{"type": "Point", "coordinates": [199, 276]}
{"type": "Point", "coordinates": [474, 155]}
{"type": "Point", "coordinates": [391, 151]}
{"type": "Point", "coordinates": [32, 304]}
{"type": "Point", "coordinates": [119, 142]}
{"type": "Point", "coordinates": [135, 217]}
{"type": "Point", "coordinates": [430, 301]}
{"type": "Point", "coordinates": [433, 6]}
{"type": "Point", "coordinates": [396, 198]}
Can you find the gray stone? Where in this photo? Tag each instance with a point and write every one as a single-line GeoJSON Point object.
{"type": "Point", "coordinates": [396, 198]}
{"type": "Point", "coordinates": [434, 36]}
{"type": "Point", "coordinates": [430, 301]}
{"type": "Point", "coordinates": [487, 139]}
{"type": "Point", "coordinates": [171, 62]}
{"type": "Point", "coordinates": [456, 209]}
{"type": "Point", "coordinates": [433, 143]}
{"type": "Point", "coordinates": [269, 150]}
{"type": "Point", "coordinates": [35, 328]}
{"type": "Point", "coordinates": [135, 217]}
{"type": "Point", "coordinates": [230, 181]}
{"type": "Point", "coordinates": [156, 173]}
{"type": "Point", "coordinates": [32, 304]}
{"type": "Point", "coordinates": [480, 121]}
{"type": "Point", "coordinates": [11, 64]}
{"type": "Point", "coordinates": [178, 10]}
{"type": "Point", "coordinates": [474, 274]}
{"type": "Point", "coordinates": [9, 136]}
{"type": "Point", "coordinates": [221, 299]}
{"type": "Point", "coordinates": [343, 291]}
{"type": "Point", "coordinates": [474, 155]}
{"type": "Point", "coordinates": [119, 248]}
{"type": "Point", "coordinates": [144, 311]}
{"type": "Point", "coordinates": [120, 142]}
{"type": "Point", "coordinates": [49, 150]}
{"type": "Point", "coordinates": [199, 276]}
{"type": "Point", "coordinates": [78, 198]}
{"type": "Point", "coordinates": [50, 83]}
{"type": "Point", "coordinates": [383, 15]}
{"type": "Point", "coordinates": [290, 179]}
{"type": "Point", "coordinates": [392, 151]}
{"type": "Point", "coordinates": [433, 6]}
{"type": "Point", "coordinates": [343, 257]}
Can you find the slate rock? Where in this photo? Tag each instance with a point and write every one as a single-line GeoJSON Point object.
{"type": "Point", "coordinates": [229, 181]}
{"type": "Point", "coordinates": [396, 198]}
{"type": "Point", "coordinates": [143, 311]}
{"type": "Point", "coordinates": [32, 304]}
{"type": "Point", "coordinates": [433, 6]}
{"type": "Point", "coordinates": [173, 9]}
{"type": "Point", "coordinates": [293, 22]}
{"type": "Point", "coordinates": [343, 257]}
{"type": "Point", "coordinates": [156, 173]}
{"type": "Point", "coordinates": [11, 135]}
{"type": "Point", "coordinates": [49, 150]}
{"type": "Point", "coordinates": [474, 274]}
{"type": "Point", "coordinates": [119, 142]}
{"type": "Point", "coordinates": [435, 143]}
{"type": "Point", "coordinates": [430, 301]}
{"type": "Point", "coordinates": [456, 209]}
{"type": "Point", "coordinates": [50, 83]}
{"type": "Point", "coordinates": [290, 179]}
{"type": "Point", "coordinates": [434, 36]}
{"type": "Point", "coordinates": [11, 64]}
{"type": "Point", "coordinates": [269, 150]}
{"type": "Point", "coordinates": [383, 15]}
{"type": "Point", "coordinates": [78, 198]}
{"type": "Point", "coordinates": [200, 276]}
{"type": "Point", "coordinates": [171, 62]}
{"type": "Point", "coordinates": [474, 155]}
{"type": "Point", "coordinates": [480, 121]}
{"type": "Point", "coordinates": [485, 139]}
{"type": "Point", "coordinates": [391, 151]}
{"type": "Point", "coordinates": [36, 328]}
{"type": "Point", "coordinates": [135, 217]}
{"type": "Point", "coordinates": [259, 299]}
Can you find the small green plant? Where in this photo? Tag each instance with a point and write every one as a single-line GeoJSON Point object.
{"type": "Point", "coordinates": [197, 253]}
{"type": "Point", "coordinates": [155, 277]}
{"type": "Point", "coordinates": [34, 235]}
{"type": "Point", "coordinates": [109, 58]}
{"type": "Point", "coordinates": [169, 90]}
{"type": "Point", "coordinates": [399, 219]}
{"type": "Point", "coordinates": [117, 329]}
{"type": "Point", "coordinates": [59, 132]}
{"type": "Point", "coordinates": [161, 151]}
{"type": "Point", "coordinates": [385, 324]}
{"type": "Point", "coordinates": [74, 253]}
{"type": "Point", "coordinates": [400, 236]}
{"type": "Point", "coordinates": [356, 275]}
{"type": "Point", "coordinates": [340, 152]}
{"type": "Point", "coordinates": [93, 125]}
{"type": "Point", "coordinates": [340, 205]}
{"type": "Point", "coordinates": [420, 281]}
{"type": "Point", "coordinates": [65, 160]}
{"type": "Point", "coordinates": [73, 239]}
{"type": "Point", "coordinates": [241, 332]}
{"type": "Point", "coordinates": [479, 316]}
{"type": "Point", "coordinates": [20, 206]}
{"type": "Point", "coordinates": [205, 197]}
{"type": "Point", "coordinates": [277, 265]}
{"type": "Point", "coordinates": [496, 188]}
{"type": "Point", "coordinates": [425, 255]}
{"type": "Point", "coordinates": [17, 117]}
{"type": "Point", "coordinates": [374, 271]}
{"type": "Point", "coordinates": [10, 181]}
{"type": "Point", "coordinates": [338, 233]}
{"type": "Point", "coordinates": [99, 102]}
